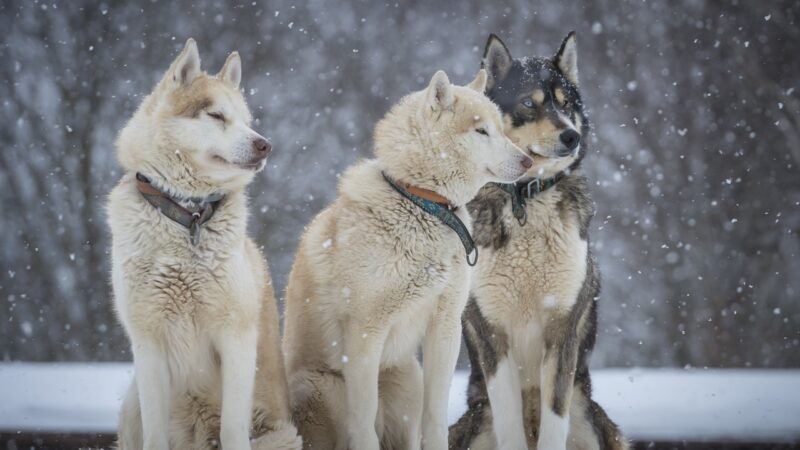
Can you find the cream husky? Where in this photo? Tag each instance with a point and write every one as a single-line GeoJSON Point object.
{"type": "Point", "coordinates": [375, 275]}
{"type": "Point", "coordinates": [191, 289]}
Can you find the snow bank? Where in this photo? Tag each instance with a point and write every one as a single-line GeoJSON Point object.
{"type": "Point", "coordinates": [62, 397]}
{"type": "Point", "coordinates": [649, 404]}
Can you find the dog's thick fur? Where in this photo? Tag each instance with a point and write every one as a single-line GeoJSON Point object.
{"type": "Point", "coordinates": [201, 319]}
{"type": "Point", "coordinates": [375, 276]}
{"type": "Point", "coordinates": [530, 323]}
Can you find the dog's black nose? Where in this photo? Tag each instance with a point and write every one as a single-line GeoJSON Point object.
{"type": "Point", "coordinates": [261, 145]}
{"type": "Point", "coordinates": [570, 139]}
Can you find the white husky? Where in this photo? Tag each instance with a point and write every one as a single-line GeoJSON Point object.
{"type": "Point", "coordinates": [375, 275]}
{"type": "Point", "coordinates": [191, 289]}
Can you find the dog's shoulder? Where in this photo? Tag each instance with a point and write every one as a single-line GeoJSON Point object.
{"type": "Point", "coordinates": [575, 199]}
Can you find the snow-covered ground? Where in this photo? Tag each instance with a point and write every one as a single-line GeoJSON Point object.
{"type": "Point", "coordinates": [649, 404]}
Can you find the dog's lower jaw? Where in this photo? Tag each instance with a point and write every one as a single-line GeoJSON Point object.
{"type": "Point", "coordinates": [254, 166]}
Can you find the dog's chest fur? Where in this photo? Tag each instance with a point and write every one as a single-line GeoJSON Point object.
{"type": "Point", "coordinates": [382, 261]}
{"type": "Point", "coordinates": [171, 287]}
{"type": "Point", "coordinates": [526, 273]}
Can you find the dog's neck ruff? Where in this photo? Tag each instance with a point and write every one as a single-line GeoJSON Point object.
{"type": "Point", "coordinates": [521, 191]}
{"type": "Point", "coordinates": [441, 208]}
{"type": "Point", "coordinates": [199, 211]}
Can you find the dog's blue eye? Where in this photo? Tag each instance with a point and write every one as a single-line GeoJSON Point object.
{"type": "Point", "coordinates": [217, 116]}
{"type": "Point", "coordinates": [528, 103]}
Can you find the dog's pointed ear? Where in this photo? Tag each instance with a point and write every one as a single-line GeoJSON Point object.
{"type": "Point", "coordinates": [479, 83]}
{"type": "Point", "coordinates": [231, 71]}
{"type": "Point", "coordinates": [439, 94]}
{"type": "Point", "coordinates": [567, 58]}
{"type": "Point", "coordinates": [496, 60]}
{"type": "Point", "coordinates": [186, 66]}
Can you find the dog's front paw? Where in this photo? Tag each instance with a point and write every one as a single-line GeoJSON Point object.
{"type": "Point", "coordinates": [282, 436]}
{"type": "Point", "coordinates": [434, 438]}
{"type": "Point", "coordinates": [235, 441]}
{"type": "Point", "coordinates": [367, 440]}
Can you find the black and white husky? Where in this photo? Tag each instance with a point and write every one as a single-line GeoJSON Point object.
{"type": "Point", "coordinates": [530, 322]}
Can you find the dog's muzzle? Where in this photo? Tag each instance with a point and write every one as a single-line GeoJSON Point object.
{"type": "Point", "coordinates": [570, 139]}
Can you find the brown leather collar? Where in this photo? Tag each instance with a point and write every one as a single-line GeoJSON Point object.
{"type": "Point", "coordinates": [170, 206]}
{"type": "Point", "coordinates": [429, 195]}
{"type": "Point", "coordinates": [444, 211]}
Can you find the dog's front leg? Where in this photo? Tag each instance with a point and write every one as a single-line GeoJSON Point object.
{"type": "Point", "coordinates": [237, 351]}
{"type": "Point", "coordinates": [153, 383]}
{"type": "Point", "coordinates": [557, 378]}
{"type": "Point", "coordinates": [488, 345]}
{"type": "Point", "coordinates": [440, 353]}
{"type": "Point", "coordinates": [361, 369]}
{"type": "Point", "coordinates": [505, 398]}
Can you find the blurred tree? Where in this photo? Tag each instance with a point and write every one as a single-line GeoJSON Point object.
{"type": "Point", "coordinates": [694, 154]}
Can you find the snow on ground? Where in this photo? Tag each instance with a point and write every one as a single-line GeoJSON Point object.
{"type": "Point", "coordinates": [62, 397]}
{"type": "Point", "coordinates": [649, 404]}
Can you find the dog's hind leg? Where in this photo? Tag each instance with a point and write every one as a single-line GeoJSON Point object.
{"type": "Point", "coordinates": [318, 409]}
{"type": "Point", "coordinates": [272, 421]}
{"type": "Point", "coordinates": [400, 390]}
{"type": "Point", "coordinates": [565, 335]}
{"type": "Point", "coordinates": [608, 431]}
{"type": "Point", "coordinates": [478, 416]}
{"type": "Point", "coordinates": [590, 428]}
{"type": "Point", "coordinates": [129, 434]}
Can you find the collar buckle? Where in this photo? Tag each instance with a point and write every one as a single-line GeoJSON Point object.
{"type": "Point", "coordinates": [194, 232]}
{"type": "Point", "coordinates": [201, 208]}
{"type": "Point", "coordinates": [534, 186]}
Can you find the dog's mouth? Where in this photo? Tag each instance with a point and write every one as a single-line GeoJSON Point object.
{"type": "Point", "coordinates": [539, 154]}
{"type": "Point", "coordinates": [256, 164]}
{"type": "Point", "coordinates": [504, 175]}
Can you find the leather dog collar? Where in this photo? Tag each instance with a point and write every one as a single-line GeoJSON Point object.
{"type": "Point", "coordinates": [441, 208]}
{"type": "Point", "coordinates": [429, 195]}
{"type": "Point", "coordinates": [170, 206]}
{"type": "Point", "coordinates": [520, 192]}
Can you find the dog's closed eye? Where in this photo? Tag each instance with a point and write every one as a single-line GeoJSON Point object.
{"type": "Point", "coordinates": [481, 131]}
{"type": "Point", "coordinates": [217, 116]}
